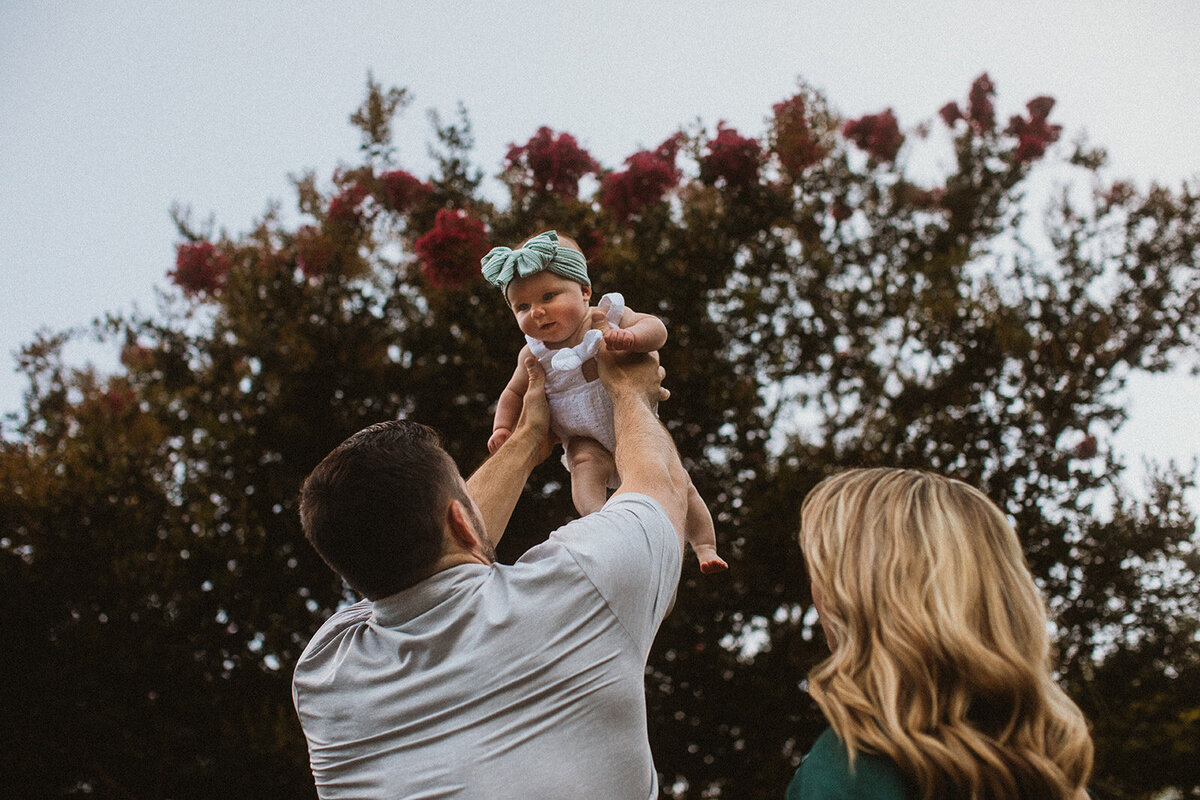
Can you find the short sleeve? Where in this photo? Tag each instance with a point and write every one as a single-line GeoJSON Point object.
{"type": "Point", "coordinates": [630, 552]}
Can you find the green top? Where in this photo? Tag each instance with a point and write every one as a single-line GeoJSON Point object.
{"type": "Point", "coordinates": [825, 774]}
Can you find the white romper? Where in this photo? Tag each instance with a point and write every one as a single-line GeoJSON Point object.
{"type": "Point", "coordinates": [579, 407]}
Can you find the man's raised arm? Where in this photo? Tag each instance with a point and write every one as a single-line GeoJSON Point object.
{"type": "Point", "coordinates": [496, 485]}
{"type": "Point", "coordinates": [647, 460]}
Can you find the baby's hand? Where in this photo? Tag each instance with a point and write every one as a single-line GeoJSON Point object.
{"type": "Point", "coordinates": [498, 438]}
{"type": "Point", "coordinates": [618, 339]}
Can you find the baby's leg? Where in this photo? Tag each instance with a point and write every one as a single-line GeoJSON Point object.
{"type": "Point", "coordinates": [591, 467]}
{"type": "Point", "coordinates": [702, 534]}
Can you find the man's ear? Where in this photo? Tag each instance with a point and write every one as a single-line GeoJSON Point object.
{"type": "Point", "coordinates": [458, 522]}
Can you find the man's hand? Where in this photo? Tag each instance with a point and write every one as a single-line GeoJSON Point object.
{"type": "Point", "coordinates": [535, 410]}
{"type": "Point", "coordinates": [631, 374]}
{"type": "Point", "coordinates": [624, 371]}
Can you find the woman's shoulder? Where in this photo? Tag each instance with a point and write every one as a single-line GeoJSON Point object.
{"type": "Point", "coordinates": [826, 774]}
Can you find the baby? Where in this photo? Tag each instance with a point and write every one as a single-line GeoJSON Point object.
{"type": "Point", "coordinates": [546, 284]}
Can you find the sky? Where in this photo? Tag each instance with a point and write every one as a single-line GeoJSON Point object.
{"type": "Point", "coordinates": [111, 112]}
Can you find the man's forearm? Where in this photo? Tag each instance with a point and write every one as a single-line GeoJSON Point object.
{"type": "Point", "coordinates": [646, 458]}
{"type": "Point", "coordinates": [496, 486]}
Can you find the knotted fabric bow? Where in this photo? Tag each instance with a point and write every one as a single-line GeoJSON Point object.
{"type": "Point", "coordinates": [571, 358]}
{"type": "Point", "coordinates": [543, 252]}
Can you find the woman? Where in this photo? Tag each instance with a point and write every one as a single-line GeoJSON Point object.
{"type": "Point", "coordinates": [938, 684]}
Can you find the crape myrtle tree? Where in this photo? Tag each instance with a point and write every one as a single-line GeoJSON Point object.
{"type": "Point", "coordinates": [826, 309]}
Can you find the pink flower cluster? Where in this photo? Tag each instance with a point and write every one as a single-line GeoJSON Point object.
{"type": "Point", "coordinates": [732, 157]}
{"type": "Point", "coordinates": [926, 199]}
{"type": "Point", "coordinates": [1033, 134]}
{"type": "Point", "coordinates": [1119, 193]}
{"type": "Point", "coordinates": [550, 163]}
{"type": "Point", "coordinates": [345, 209]}
{"type": "Point", "coordinates": [118, 400]}
{"type": "Point", "coordinates": [878, 134]}
{"type": "Point", "coordinates": [650, 174]}
{"type": "Point", "coordinates": [199, 268]}
{"type": "Point", "coordinates": [451, 250]}
{"type": "Point", "coordinates": [981, 112]}
{"type": "Point", "coordinates": [403, 190]}
{"type": "Point", "coordinates": [1086, 448]}
{"type": "Point", "coordinates": [795, 143]}
{"type": "Point", "coordinates": [136, 357]}
{"type": "Point", "coordinates": [314, 251]}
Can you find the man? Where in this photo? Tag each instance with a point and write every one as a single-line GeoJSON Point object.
{"type": "Point", "coordinates": [458, 677]}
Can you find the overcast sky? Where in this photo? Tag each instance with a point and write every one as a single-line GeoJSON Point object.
{"type": "Point", "coordinates": [112, 111]}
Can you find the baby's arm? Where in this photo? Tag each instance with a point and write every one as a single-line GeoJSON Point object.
{"type": "Point", "coordinates": [639, 333]}
{"type": "Point", "coordinates": [508, 406]}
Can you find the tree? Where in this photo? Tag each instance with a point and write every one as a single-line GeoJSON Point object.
{"type": "Point", "coordinates": [825, 310]}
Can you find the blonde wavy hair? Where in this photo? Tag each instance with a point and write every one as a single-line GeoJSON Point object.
{"type": "Point", "coordinates": [940, 652]}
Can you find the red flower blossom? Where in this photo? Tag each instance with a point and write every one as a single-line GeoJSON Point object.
{"type": "Point", "coordinates": [345, 209]}
{"type": "Point", "coordinates": [926, 199]}
{"type": "Point", "coordinates": [1086, 448]}
{"type": "Point", "coordinates": [1039, 107]}
{"type": "Point", "coordinates": [137, 358]}
{"type": "Point", "coordinates": [403, 190]}
{"type": "Point", "coordinates": [878, 134]}
{"type": "Point", "coordinates": [1118, 194]}
{"type": "Point", "coordinates": [549, 163]}
{"type": "Point", "coordinates": [451, 251]}
{"type": "Point", "coordinates": [840, 211]}
{"type": "Point", "coordinates": [591, 242]}
{"type": "Point", "coordinates": [118, 401]}
{"type": "Point", "coordinates": [199, 268]}
{"type": "Point", "coordinates": [1033, 134]}
{"type": "Point", "coordinates": [314, 251]}
{"type": "Point", "coordinates": [650, 175]}
{"type": "Point", "coordinates": [795, 143]}
{"type": "Point", "coordinates": [980, 111]}
{"type": "Point", "coordinates": [732, 157]}
{"type": "Point", "coordinates": [950, 114]}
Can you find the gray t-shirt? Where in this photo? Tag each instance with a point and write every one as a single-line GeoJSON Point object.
{"type": "Point", "coordinates": [522, 681]}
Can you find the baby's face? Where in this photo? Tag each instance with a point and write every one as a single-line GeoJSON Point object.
{"type": "Point", "coordinates": [549, 307]}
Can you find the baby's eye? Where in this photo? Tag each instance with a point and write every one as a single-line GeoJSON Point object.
{"type": "Point", "coordinates": [521, 307]}
{"type": "Point", "coordinates": [548, 296]}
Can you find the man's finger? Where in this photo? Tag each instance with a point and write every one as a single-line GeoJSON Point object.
{"type": "Point", "coordinates": [535, 373]}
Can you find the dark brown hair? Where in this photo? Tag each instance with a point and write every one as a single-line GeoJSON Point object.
{"type": "Point", "coordinates": [375, 507]}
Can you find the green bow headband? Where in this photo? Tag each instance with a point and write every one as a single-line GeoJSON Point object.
{"type": "Point", "coordinates": [543, 252]}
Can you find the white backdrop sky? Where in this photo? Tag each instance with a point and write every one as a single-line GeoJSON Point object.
{"type": "Point", "coordinates": [112, 111]}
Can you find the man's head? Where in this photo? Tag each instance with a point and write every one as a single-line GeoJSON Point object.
{"type": "Point", "coordinates": [376, 507]}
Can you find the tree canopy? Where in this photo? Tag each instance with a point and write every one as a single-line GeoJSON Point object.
{"type": "Point", "coordinates": [826, 309]}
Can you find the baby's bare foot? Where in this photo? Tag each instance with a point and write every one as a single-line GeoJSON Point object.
{"type": "Point", "coordinates": [710, 562]}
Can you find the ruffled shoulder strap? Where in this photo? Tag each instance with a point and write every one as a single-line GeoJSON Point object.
{"type": "Point", "coordinates": [537, 347]}
{"type": "Point", "coordinates": [613, 306]}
